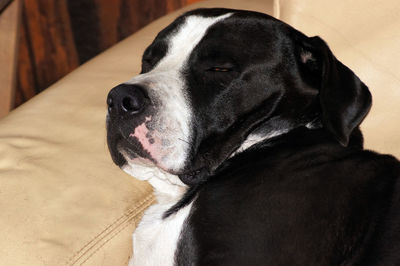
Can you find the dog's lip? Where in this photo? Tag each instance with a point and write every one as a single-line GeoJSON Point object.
{"type": "Point", "coordinates": [126, 152]}
{"type": "Point", "coordinates": [195, 176]}
{"type": "Point", "coordinates": [131, 150]}
{"type": "Point", "coordinates": [130, 155]}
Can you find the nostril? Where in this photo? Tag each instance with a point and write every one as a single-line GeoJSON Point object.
{"type": "Point", "coordinates": [131, 104]}
{"type": "Point", "coordinates": [110, 103]}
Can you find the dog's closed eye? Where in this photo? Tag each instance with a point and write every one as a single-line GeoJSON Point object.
{"type": "Point", "coordinates": [220, 69]}
{"type": "Point", "coordinates": [218, 66]}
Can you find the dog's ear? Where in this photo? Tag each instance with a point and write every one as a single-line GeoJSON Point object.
{"type": "Point", "coordinates": [344, 98]}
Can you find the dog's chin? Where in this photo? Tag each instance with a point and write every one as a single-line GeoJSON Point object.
{"type": "Point", "coordinates": [147, 170]}
{"type": "Point", "coordinates": [143, 168]}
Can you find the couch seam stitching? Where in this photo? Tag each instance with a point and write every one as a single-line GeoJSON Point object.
{"type": "Point", "coordinates": [111, 228]}
{"type": "Point", "coordinates": [276, 9]}
{"type": "Point", "coordinates": [108, 240]}
{"type": "Point", "coordinates": [78, 254]}
{"type": "Point", "coordinates": [107, 227]}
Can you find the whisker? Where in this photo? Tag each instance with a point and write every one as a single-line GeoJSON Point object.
{"type": "Point", "coordinates": [184, 141]}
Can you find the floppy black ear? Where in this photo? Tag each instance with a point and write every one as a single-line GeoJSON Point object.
{"type": "Point", "coordinates": [344, 98]}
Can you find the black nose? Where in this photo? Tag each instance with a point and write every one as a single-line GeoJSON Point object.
{"type": "Point", "coordinates": [126, 99]}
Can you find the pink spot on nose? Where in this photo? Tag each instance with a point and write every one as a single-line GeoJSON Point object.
{"type": "Point", "coordinates": [148, 143]}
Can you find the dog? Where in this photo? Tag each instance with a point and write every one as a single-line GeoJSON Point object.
{"type": "Point", "coordinates": [248, 130]}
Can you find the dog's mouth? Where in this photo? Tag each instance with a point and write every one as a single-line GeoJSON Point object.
{"type": "Point", "coordinates": [132, 153]}
{"type": "Point", "coordinates": [126, 153]}
{"type": "Point", "coordinates": [132, 149]}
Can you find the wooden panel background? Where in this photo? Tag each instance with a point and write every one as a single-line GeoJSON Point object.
{"type": "Point", "coordinates": [10, 14]}
{"type": "Point", "coordinates": [56, 36]}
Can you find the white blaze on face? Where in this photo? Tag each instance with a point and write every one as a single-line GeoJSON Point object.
{"type": "Point", "coordinates": [169, 136]}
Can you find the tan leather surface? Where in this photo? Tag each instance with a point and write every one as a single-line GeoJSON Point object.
{"type": "Point", "coordinates": [365, 36]}
{"type": "Point", "coordinates": [62, 201]}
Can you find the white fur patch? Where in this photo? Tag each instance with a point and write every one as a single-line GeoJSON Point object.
{"type": "Point", "coordinates": [155, 239]}
{"type": "Point", "coordinates": [253, 139]}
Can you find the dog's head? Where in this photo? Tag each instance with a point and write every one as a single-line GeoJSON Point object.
{"type": "Point", "coordinates": [217, 80]}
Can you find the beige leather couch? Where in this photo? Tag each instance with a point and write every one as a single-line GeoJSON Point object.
{"type": "Point", "coordinates": [63, 202]}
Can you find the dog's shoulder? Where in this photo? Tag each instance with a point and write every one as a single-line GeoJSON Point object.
{"type": "Point", "coordinates": [382, 162]}
{"type": "Point", "coordinates": [384, 245]}
{"type": "Point", "coordinates": [275, 191]}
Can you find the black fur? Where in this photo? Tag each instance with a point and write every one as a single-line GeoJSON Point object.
{"type": "Point", "coordinates": [299, 199]}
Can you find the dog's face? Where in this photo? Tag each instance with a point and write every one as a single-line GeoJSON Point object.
{"type": "Point", "coordinates": [216, 79]}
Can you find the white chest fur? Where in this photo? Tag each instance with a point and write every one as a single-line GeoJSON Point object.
{"type": "Point", "coordinates": [155, 240]}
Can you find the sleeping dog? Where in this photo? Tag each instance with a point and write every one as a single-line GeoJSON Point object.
{"type": "Point", "coordinates": [248, 130]}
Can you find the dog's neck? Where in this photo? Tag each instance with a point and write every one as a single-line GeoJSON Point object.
{"type": "Point", "coordinates": [273, 128]}
{"type": "Point", "coordinates": [168, 188]}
